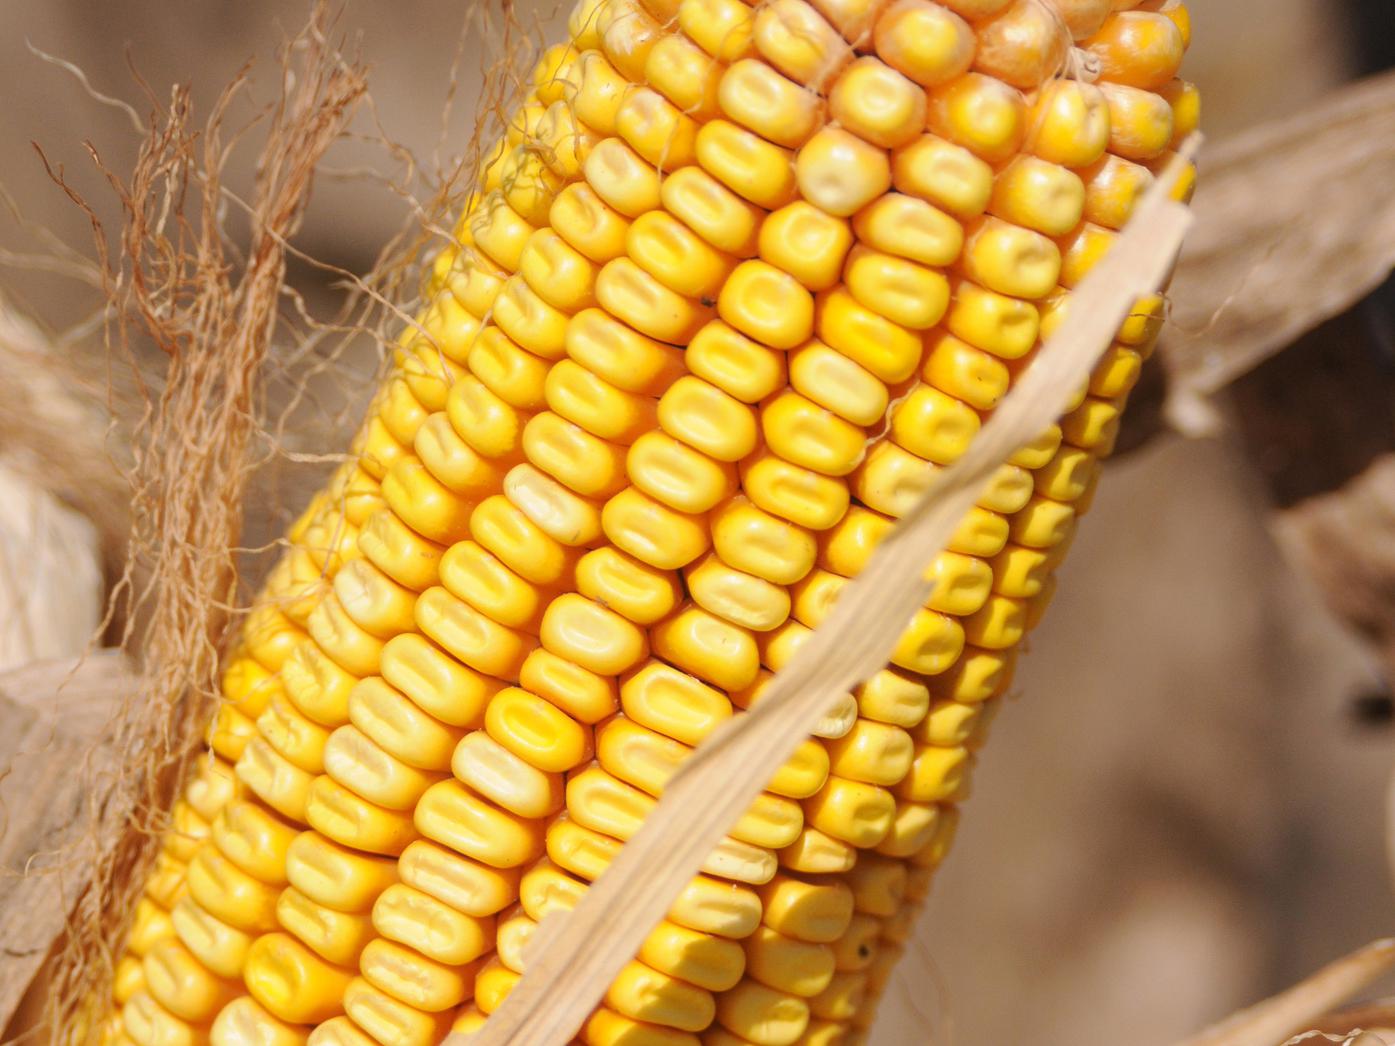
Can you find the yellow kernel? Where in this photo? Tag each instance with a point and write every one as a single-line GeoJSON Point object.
{"type": "Point", "coordinates": [931, 643]}
{"type": "Point", "coordinates": [795, 38]}
{"type": "Point", "coordinates": [407, 915]}
{"type": "Point", "coordinates": [1113, 188]}
{"type": "Point", "coordinates": [1140, 122]}
{"type": "Point", "coordinates": [892, 696]}
{"type": "Point", "coordinates": [756, 96]}
{"type": "Point", "coordinates": [806, 242]}
{"type": "Point", "coordinates": [339, 937]}
{"type": "Point", "coordinates": [588, 223]}
{"type": "Point", "coordinates": [878, 884]}
{"type": "Point", "coordinates": [489, 425]}
{"type": "Point", "coordinates": [467, 886]}
{"type": "Point", "coordinates": [341, 815]}
{"type": "Point", "coordinates": [565, 450]}
{"type": "Point", "coordinates": [737, 596]}
{"type": "Point", "coordinates": [673, 703]}
{"type": "Point", "coordinates": [748, 165]}
{"type": "Point", "coordinates": [978, 676]}
{"type": "Point", "coordinates": [888, 350]}
{"type": "Point", "coordinates": [600, 408]}
{"type": "Point", "coordinates": [529, 320]}
{"type": "Point", "coordinates": [834, 381]}
{"type": "Point", "coordinates": [840, 173]}
{"type": "Point", "coordinates": [652, 532]}
{"type": "Point", "coordinates": [734, 363]}
{"type": "Point", "coordinates": [996, 323]}
{"type": "Point", "coordinates": [803, 496]}
{"type": "Point", "coordinates": [877, 103]}
{"type": "Point", "coordinates": [528, 184]}
{"type": "Point", "coordinates": [639, 592]}
{"type": "Point", "coordinates": [762, 1015]}
{"type": "Point", "coordinates": [984, 115]}
{"type": "Point", "coordinates": [435, 682]}
{"type": "Point", "coordinates": [637, 298]}
{"type": "Point", "coordinates": [851, 811]}
{"type": "Point", "coordinates": [1000, 624]}
{"type": "Point", "coordinates": [937, 774]}
{"type": "Point", "coordinates": [179, 983]}
{"type": "Point", "coordinates": [387, 1019]}
{"type": "Point", "coordinates": [875, 753]}
{"type": "Point", "coordinates": [704, 417]}
{"type": "Point", "coordinates": [623, 357]}
{"type": "Point", "coordinates": [924, 41]}
{"type": "Point", "coordinates": [713, 211]}
{"type": "Point", "coordinates": [806, 434]}
{"type": "Point", "coordinates": [755, 541]}
{"type": "Point", "coordinates": [504, 778]}
{"type": "Point", "coordinates": [355, 761]}
{"type": "Point", "coordinates": [964, 372]}
{"type": "Point", "coordinates": [684, 74]}
{"type": "Point", "coordinates": [722, 28]}
{"type": "Point", "coordinates": [676, 256]}
{"type": "Point", "coordinates": [902, 291]}
{"type": "Point", "coordinates": [655, 129]}
{"type": "Point", "coordinates": [500, 231]}
{"type": "Point", "coordinates": [1036, 194]}
{"type": "Point", "coordinates": [786, 964]}
{"type": "Point", "coordinates": [451, 814]}
{"type": "Point", "coordinates": [944, 174]}
{"type": "Point", "coordinates": [910, 228]}
{"type": "Point", "coordinates": [601, 89]}
{"type": "Point", "coordinates": [710, 648]}
{"type": "Point", "coordinates": [1185, 100]}
{"type": "Point", "coordinates": [643, 994]}
{"type": "Point", "coordinates": [480, 642]}
{"type": "Point", "coordinates": [474, 574]}
{"type": "Point", "coordinates": [1069, 124]}
{"type": "Point", "coordinates": [817, 853]}
{"type": "Point", "coordinates": [698, 958]}
{"type": "Point", "coordinates": [620, 177]}
{"type": "Point", "coordinates": [293, 983]}
{"type": "Point", "coordinates": [1011, 260]}
{"type": "Point", "coordinates": [677, 475]}
{"type": "Point", "coordinates": [767, 304]}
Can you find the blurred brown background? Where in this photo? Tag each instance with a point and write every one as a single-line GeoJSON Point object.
{"type": "Point", "coordinates": [1179, 815]}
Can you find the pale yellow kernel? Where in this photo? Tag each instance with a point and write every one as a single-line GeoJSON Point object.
{"type": "Point", "coordinates": [652, 532]}
{"type": "Point", "coordinates": [678, 475]}
{"type": "Point", "coordinates": [451, 814]}
{"type": "Point", "coordinates": [840, 173]}
{"type": "Point", "coordinates": [760, 99]}
{"type": "Point", "coordinates": [713, 211]}
{"type": "Point", "coordinates": [1040, 195]}
{"type": "Point", "coordinates": [734, 363]}
{"type": "Point", "coordinates": [656, 129]}
{"type": "Point", "coordinates": [676, 256]}
{"type": "Point", "coordinates": [748, 165]}
{"type": "Point", "coordinates": [637, 298]}
{"type": "Point", "coordinates": [944, 174]}
{"type": "Point", "coordinates": [836, 382]}
{"type": "Point", "coordinates": [1010, 260]}
{"type": "Point", "coordinates": [792, 36]}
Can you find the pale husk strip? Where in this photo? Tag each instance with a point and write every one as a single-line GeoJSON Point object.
{"type": "Point", "coordinates": [575, 956]}
{"type": "Point", "coordinates": [1303, 1005]}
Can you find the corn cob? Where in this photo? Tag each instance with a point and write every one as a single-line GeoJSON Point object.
{"type": "Point", "coordinates": [734, 279]}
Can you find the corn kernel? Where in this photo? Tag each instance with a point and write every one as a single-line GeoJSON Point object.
{"type": "Point", "coordinates": [467, 886]}
{"type": "Point", "coordinates": [1022, 46]}
{"type": "Point", "coordinates": [506, 780]}
{"type": "Point", "coordinates": [713, 211]}
{"type": "Point", "coordinates": [803, 496]}
{"type": "Point", "coordinates": [924, 41]}
{"type": "Point", "coordinates": [762, 1015]}
{"type": "Point", "coordinates": [588, 224]}
{"type": "Point", "coordinates": [638, 299]}
{"type": "Point", "coordinates": [944, 174]}
{"type": "Point", "coordinates": [652, 532]}
{"type": "Point", "coordinates": [740, 367]}
{"type": "Point", "coordinates": [745, 163]}
{"type": "Point", "coordinates": [1141, 122]}
{"type": "Point", "coordinates": [1138, 49]}
{"type": "Point", "coordinates": [877, 103]}
{"type": "Point", "coordinates": [451, 814]}
{"type": "Point", "coordinates": [902, 291]}
{"type": "Point", "coordinates": [741, 598]}
{"type": "Point", "coordinates": [722, 28]}
{"type": "Point", "coordinates": [710, 648]}
{"type": "Point", "coordinates": [888, 350]}
{"type": "Point", "coordinates": [676, 256]}
{"type": "Point", "coordinates": [679, 70]}
{"type": "Point", "coordinates": [840, 173]}
{"type": "Point", "coordinates": [293, 983]}
{"type": "Point", "coordinates": [672, 703]}
{"type": "Point", "coordinates": [757, 97]}
{"type": "Point", "coordinates": [795, 38]}
{"type": "Point", "coordinates": [807, 242]}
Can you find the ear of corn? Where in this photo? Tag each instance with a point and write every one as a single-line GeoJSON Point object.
{"type": "Point", "coordinates": [734, 279]}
